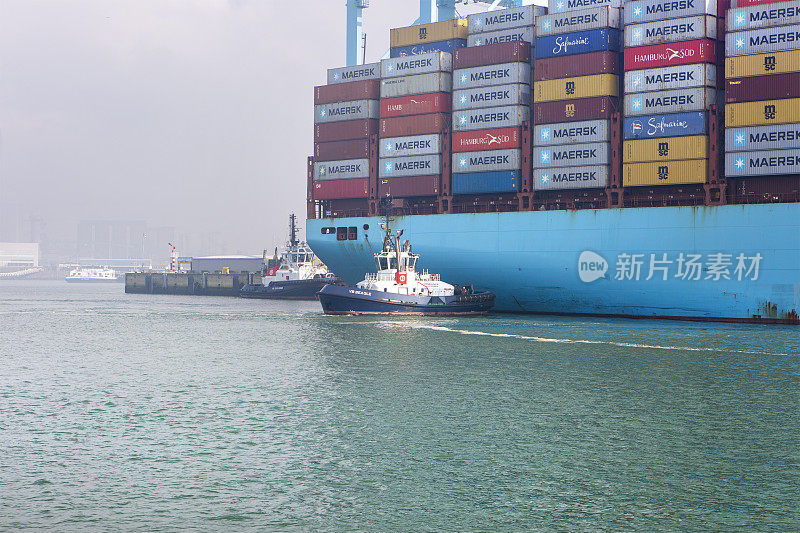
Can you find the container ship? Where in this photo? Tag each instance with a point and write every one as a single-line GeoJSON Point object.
{"type": "Point", "coordinates": [589, 158]}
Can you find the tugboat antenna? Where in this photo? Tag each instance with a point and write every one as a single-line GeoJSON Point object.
{"type": "Point", "coordinates": [292, 230]}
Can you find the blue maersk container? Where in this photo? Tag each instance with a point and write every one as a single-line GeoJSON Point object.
{"type": "Point", "coordinates": [486, 182]}
{"type": "Point", "coordinates": [669, 125]}
{"type": "Point", "coordinates": [579, 42]}
{"type": "Point", "coordinates": [439, 46]}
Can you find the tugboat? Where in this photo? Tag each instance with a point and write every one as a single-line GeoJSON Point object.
{"type": "Point", "coordinates": [398, 289]}
{"type": "Point", "coordinates": [298, 276]}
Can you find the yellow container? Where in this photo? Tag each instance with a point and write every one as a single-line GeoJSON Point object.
{"type": "Point", "coordinates": [580, 87]}
{"type": "Point", "coordinates": [763, 113]}
{"type": "Point", "coordinates": [761, 64]}
{"type": "Point", "coordinates": [666, 149]}
{"type": "Point", "coordinates": [665, 173]}
{"type": "Point", "coordinates": [428, 33]}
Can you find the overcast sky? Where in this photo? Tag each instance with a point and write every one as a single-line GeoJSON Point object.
{"type": "Point", "coordinates": [195, 114]}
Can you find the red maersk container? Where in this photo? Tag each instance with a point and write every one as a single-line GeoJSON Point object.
{"type": "Point", "coordinates": [495, 139]}
{"type": "Point", "coordinates": [409, 186]}
{"type": "Point", "coordinates": [771, 87]}
{"type": "Point", "coordinates": [338, 189]}
{"type": "Point", "coordinates": [345, 130]}
{"type": "Point", "coordinates": [554, 68]}
{"type": "Point", "coordinates": [345, 92]}
{"type": "Point", "coordinates": [671, 54]}
{"type": "Point", "coordinates": [332, 151]}
{"type": "Point", "coordinates": [492, 54]}
{"type": "Point", "coordinates": [574, 110]}
{"type": "Point", "coordinates": [748, 3]}
{"type": "Point", "coordinates": [417, 104]}
{"type": "Point", "coordinates": [414, 125]}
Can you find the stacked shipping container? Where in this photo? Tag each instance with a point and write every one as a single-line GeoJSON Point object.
{"type": "Point", "coordinates": [491, 101]}
{"type": "Point", "coordinates": [415, 105]}
{"type": "Point", "coordinates": [670, 86]}
{"type": "Point", "coordinates": [445, 36]}
{"type": "Point", "coordinates": [345, 119]}
{"type": "Point", "coordinates": [576, 90]}
{"type": "Point", "coordinates": [763, 90]}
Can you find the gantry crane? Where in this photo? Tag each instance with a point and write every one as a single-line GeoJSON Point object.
{"type": "Point", "coordinates": [429, 11]}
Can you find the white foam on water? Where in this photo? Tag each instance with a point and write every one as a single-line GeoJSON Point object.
{"type": "Point", "coordinates": [420, 325]}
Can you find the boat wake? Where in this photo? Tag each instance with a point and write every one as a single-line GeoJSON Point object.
{"type": "Point", "coordinates": [420, 325]}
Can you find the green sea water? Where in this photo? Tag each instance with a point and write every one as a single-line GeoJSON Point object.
{"type": "Point", "coordinates": [162, 413]}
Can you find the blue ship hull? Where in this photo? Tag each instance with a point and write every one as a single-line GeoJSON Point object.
{"type": "Point", "coordinates": [728, 263]}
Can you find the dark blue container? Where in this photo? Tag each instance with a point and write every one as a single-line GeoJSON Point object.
{"type": "Point", "coordinates": [438, 46]}
{"type": "Point", "coordinates": [669, 125]}
{"type": "Point", "coordinates": [579, 42]}
{"type": "Point", "coordinates": [486, 182]}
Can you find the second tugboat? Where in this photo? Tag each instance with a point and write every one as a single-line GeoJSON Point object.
{"type": "Point", "coordinates": [397, 289]}
{"type": "Point", "coordinates": [298, 276]}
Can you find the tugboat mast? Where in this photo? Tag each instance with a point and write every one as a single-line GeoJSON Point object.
{"type": "Point", "coordinates": [293, 231]}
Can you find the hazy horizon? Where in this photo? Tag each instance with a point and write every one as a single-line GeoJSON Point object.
{"type": "Point", "coordinates": [196, 115]}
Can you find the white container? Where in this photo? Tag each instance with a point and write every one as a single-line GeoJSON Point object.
{"type": "Point", "coordinates": [340, 170]}
{"type": "Point", "coordinates": [585, 19]}
{"type": "Point", "coordinates": [503, 36]}
{"type": "Point", "coordinates": [436, 82]}
{"type": "Point", "coordinates": [668, 78]}
{"type": "Point", "coordinates": [676, 101]}
{"type": "Point", "coordinates": [584, 131]}
{"type": "Point", "coordinates": [763, 163]}
{"type": "Point", "coordinates": [503, 19]}
{"type": "Point", "coordinates": [500, 95]}
{"type": "Point", "coordinates": [571, 155]}
{"type": "Point", "coordinates": [487, 161]}
{"type": "Point", "coordinates": [488, 75]}
{"type": "Point", "coordinates": [369, 71]}
{"type": "Point", "coordinates": [763, 41]}
{"type": "Point", "coordinates": [420, 64]}
{"type": "Point", "coordinates": [590, 177]}
{"type": "Point", "coordinates": [493, 117]}
{"type": "Point", "coordinates": [560, 6]}
{"type": "Point", "coordinates": [752, 138]}
{"type": "Point", "coordinates": [763, 16]}
{"type": "Point", "coordinates": [410, 145]}
{"type": "Point", "coordinates": [415, 165]}
{"type": "Point", "coordinates": [671, 31]}
{"type": "Point", "coordinates": [638, 11]}
{"type": "Point", "coordinates": [341, 111]}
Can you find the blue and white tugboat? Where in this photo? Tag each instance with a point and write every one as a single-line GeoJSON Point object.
{"type": "Point", "coordinates": [398, 289]}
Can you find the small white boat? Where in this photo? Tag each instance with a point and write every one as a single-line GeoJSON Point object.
{"type": "Point", "coordinates": [93, 275]}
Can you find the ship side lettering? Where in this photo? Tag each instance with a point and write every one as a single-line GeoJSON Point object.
{"type": "Point", "coordinates": [666, 7]}
{"type": "Point", "coordinates": [560, 177]}
{"type": "Point", "coordinates": [583, 131]}
{"type": "Point", "coordinates": [588, 153]}
{"type": "Point", "coordinates": [489, 96]}
{"type": "Point", "coordinates": [344, 169]}
{"type": "Point", "coordinates": [772, 14]}
{"type": "Point", "coordinates": [347, 110]}
{"type": "Point", "coordinates": [412, 165]}
{"type": "Point", "coordinates": [575, 20]}
{"type": "Point", "coordinates": [412, 145]}
{"type": "Point", "coordinates": [358, 73]}
{"type": "Point", "coordinates": [488, 117]}
{"type": "Point", "coordinates": [491, 74]}
{"type": "Point", "coordinates": [775, 38]}
{"type": "Point", "coordinates": [663, 31]}
{"type": "Point", "coordinates": [775, 161]}
{"type": "Point", "coordinates": [681, 99]}
{"type": "Point", "coordinates": [775, 136]}
{"type": "Point", "coordinates": [489, 160]}
{"type": "Point", "coordinates": [670, 77]}
{"type": "Point", "coordinates": [577, 4]}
